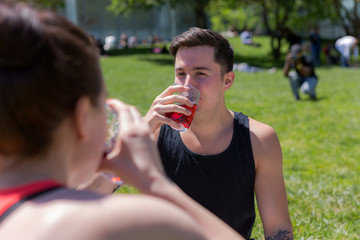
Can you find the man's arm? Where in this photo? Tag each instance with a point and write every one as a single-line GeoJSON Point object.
{"type": "Point", "coordinates": [269, 182]}
{"type": "Point", "coordinates": [287, 65]}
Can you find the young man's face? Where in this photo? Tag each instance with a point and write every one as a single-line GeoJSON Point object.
{"type": "Point", "coordinates": [196, 66]}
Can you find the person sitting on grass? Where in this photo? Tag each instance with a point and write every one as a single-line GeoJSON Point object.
{"type": "Point", "coordinates": [246, 37]}
{"type": "Point", "coordinates": [225, 157]}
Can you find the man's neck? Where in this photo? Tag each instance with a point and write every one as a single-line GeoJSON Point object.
{"type": "Point", "coordinates": [210, 135]}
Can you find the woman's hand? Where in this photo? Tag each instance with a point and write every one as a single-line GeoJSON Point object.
{"type": "Point", "coordinates": [135, 157]}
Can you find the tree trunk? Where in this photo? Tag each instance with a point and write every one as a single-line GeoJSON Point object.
{"type": "Point", "coordinates": [347, 17]}
{"type": "Point", "coordinates": [276, 45]}
{"type": "Point", "coordinates": [356, 19]}
{"type": "Point", "coordinates": [200, 18]}
{"type": "Point", "coordinates": [275, 35]}
{"type": "Point", "coordinates": [200, 15]}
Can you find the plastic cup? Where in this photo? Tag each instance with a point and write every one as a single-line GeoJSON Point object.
{"type": "Point", "coordinates": [193, 95]}
{"type": "Point", "coordinates": [112, 132]}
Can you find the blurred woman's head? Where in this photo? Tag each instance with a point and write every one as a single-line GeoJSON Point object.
{"type": "Point", "coordinates": [46, 65]}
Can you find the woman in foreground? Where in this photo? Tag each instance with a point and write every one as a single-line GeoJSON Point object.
{"type": "Point", "coordinates": [52, 133]}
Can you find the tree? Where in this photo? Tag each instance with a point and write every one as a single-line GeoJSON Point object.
{"type": "Point", "coordinates": [348, 13]}
{"type": "Point", "coordinates": [275, 16]}
{"type": "Point", "coordinates": [224, 17]}
{"type": "Point", "coordinates": [50, 4]}
{"type": "Point", "coordinates": [128, 6]}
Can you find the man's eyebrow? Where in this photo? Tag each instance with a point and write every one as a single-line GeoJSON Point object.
{"type": "Point", "coordinates": [195, 68]}
{"type": "Point", "coordinates": [201, 68]}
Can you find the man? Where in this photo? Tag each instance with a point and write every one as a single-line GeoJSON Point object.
{"type": "Point", "coordinates": [304, 76]}
{"type": "Point", "coordinates": [315, 41]}
{"type": "Point", "coordinates": [347, 45]}
{"type": "Point", "coordinates": [224, 155]}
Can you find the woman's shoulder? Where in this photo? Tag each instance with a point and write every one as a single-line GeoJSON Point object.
{"type": "Point", "coordinates": [91, 216]}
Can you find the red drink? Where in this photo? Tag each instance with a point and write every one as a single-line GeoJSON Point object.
{"type": "Point", "coordinates": [181, 118]}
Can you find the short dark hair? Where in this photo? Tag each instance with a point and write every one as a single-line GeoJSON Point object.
{"type": "Point", "coordinates": [224, 53]}
{"type": "Point", "coordinates": [46, 64]}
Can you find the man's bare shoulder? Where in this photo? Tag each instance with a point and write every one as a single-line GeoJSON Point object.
{"type": "Point", "coordinates": [265, 142]}
{"type": "Point", "coordinates": [123, 215]}
{"type": "Point", "coordinates": [261, 130]}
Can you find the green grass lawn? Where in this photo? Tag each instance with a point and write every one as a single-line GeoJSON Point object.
{"type": "Point", "coordinates": [320, 139]}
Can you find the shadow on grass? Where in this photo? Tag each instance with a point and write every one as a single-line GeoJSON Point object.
{"type": "Point", "coordinates": [146, 54]}
{"type": "Point", "coordinates": [308, 99]}
{"type": "Point", "coordinates": [129, 51]}
{"type": "Point", "coordinates": [159, 61]}
{"type": "Point", "coordinates": [263, 62]}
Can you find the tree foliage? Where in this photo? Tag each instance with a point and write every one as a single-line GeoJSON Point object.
{"type": "Point", "coordinates": [50, 4]}
{"type": "Point", "coordinates": [273, 16]}
{"type": "Point", "coordinates": [125, 7]}
{"type": "Point", "coordinates": [128, 6]}
{"type": "Point", "coordinates": [223, 17]}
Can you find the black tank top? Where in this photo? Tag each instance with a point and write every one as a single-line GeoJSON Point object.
{"type": "Point", "coordinates": [223, 183]}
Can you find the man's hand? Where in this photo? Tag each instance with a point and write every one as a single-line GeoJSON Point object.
{"type": "Point", "coordinates": [163, 104]}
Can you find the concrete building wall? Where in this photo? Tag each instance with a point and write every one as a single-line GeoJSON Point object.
{"type": "Point", "coordinates": [333, 31]}
{"type": "Point", "coordinates": [164, 21]}
{"type": "Point", "coordinates": [328, 30]}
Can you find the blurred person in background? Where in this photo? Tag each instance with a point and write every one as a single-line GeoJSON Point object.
{"type": "Point", "coordinates": [348, 49]}
{"type": "Point", "coordinates": [246, 37]}
{"type": "Point", "coordinates": [315, 44]}
{"type": "Point", "coordinates": [110, 42]}
{"type": "Point", "coordinates": [303, 77]}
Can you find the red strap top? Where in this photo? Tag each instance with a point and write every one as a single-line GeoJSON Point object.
{"type": "Point", "coordinates": [10, 196]}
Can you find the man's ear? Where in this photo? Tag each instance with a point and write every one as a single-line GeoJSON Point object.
{"type": "Point", "coordinates": [81, 117]}
{"type": "Point", "coordinates": [228, 80]}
